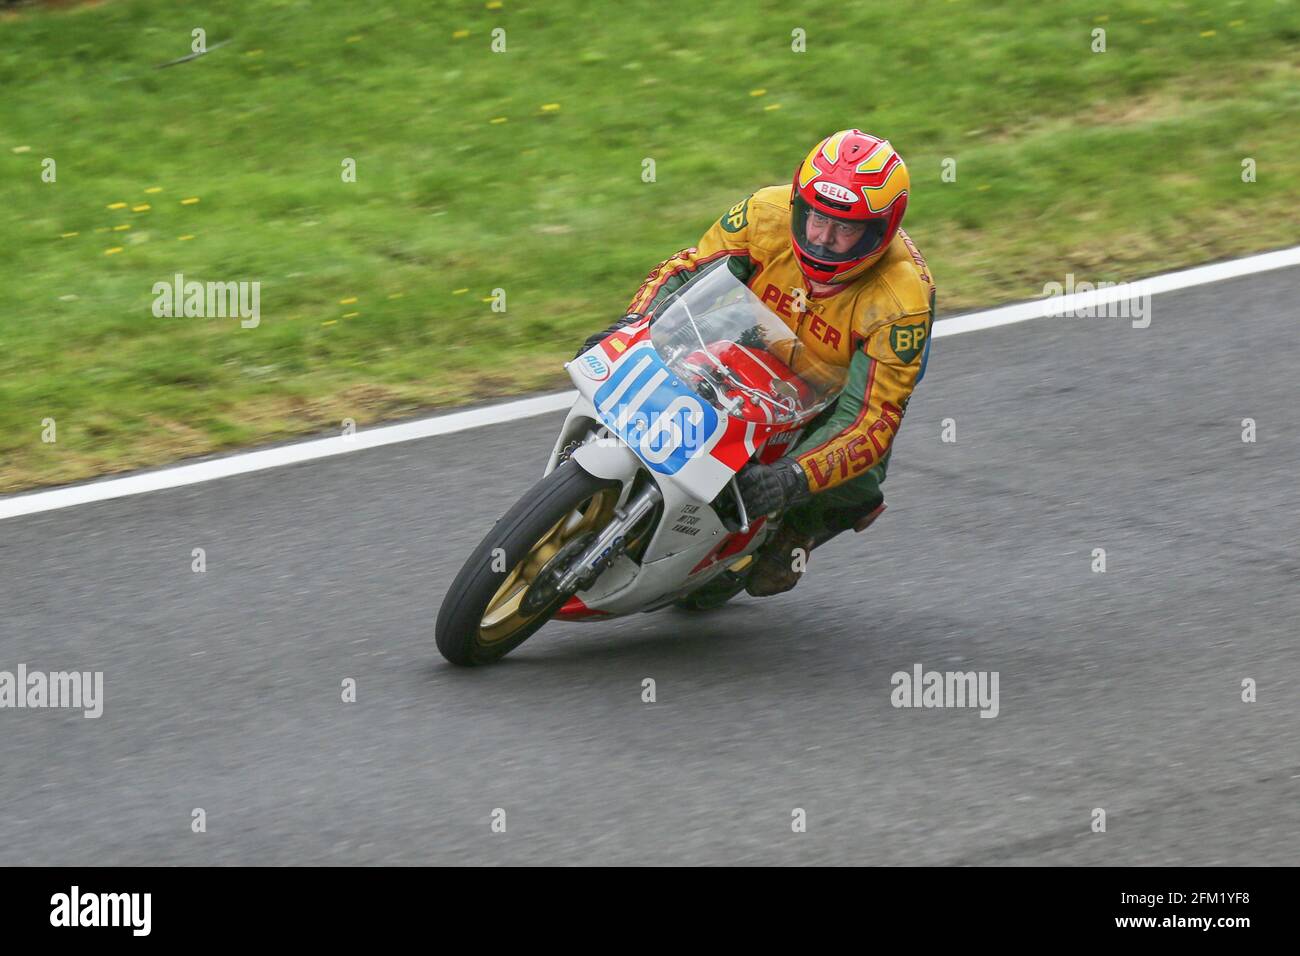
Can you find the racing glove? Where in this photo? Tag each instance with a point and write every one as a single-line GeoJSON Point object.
{"type": "Point", "coordinates": [768, 488]}
{"type": "Point", "coordinates": [594, 340]}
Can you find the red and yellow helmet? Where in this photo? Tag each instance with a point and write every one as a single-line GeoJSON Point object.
{"type": "Point", "coordinates": [846, 203]}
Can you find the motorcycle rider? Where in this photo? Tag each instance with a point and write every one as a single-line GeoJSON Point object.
{"type": "Point", "coordinates": [827, 255]}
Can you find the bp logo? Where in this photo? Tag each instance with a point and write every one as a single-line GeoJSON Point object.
{"type": "Point", "coordinates": [737, 216]}
{"type": "Point", "coordinates": [907, 341]}
{"type": "Point", "coordinates": [594, 367]}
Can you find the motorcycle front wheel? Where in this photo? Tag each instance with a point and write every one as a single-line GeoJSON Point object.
{"type": "Point", "coordinates": [484, 615]}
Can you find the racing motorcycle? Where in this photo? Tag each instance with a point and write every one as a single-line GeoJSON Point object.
{"type": "Point", "coordinates": [639, 508]}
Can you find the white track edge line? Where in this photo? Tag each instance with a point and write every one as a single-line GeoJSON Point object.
{"type": "Point", "coordinates": [244, 462]}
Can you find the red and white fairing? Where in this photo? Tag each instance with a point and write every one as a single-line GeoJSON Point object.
{"type": "Point", "coordinates": [691, 544]}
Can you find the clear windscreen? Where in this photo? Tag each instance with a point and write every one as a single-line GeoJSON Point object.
{"type": "Point", "coordinates": [724, 343]}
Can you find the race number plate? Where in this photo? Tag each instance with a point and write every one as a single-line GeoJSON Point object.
{"type": "Point", "coordinates": [649, 408]}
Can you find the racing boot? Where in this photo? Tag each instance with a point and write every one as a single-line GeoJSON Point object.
{"type": "Point", "coordinates": [717, 592]}
{"type": "Point", "coordinates": [782, 561]}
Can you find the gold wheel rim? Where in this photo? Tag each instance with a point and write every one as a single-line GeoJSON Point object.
{"type": "Point", "coordinates": [503, 618]}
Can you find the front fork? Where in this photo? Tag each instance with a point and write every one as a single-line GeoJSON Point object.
{"type": "Point", "coordinates": [610, 542]}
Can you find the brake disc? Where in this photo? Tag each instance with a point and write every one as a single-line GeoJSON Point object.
{"type": "Point", "coordinates": [545, 587]}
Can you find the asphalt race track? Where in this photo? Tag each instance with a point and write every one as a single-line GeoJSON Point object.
{"type": "Point", "coordinates": [1119, 690]}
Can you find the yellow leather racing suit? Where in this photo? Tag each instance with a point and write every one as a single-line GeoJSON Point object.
{"type": "Point", "coordinates": [877, 325]}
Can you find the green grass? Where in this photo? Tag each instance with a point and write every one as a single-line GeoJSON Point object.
{"type": "Point", "coordinates": [1109, 165]}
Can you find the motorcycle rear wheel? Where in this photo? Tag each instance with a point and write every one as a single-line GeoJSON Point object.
{"type": "Point", "coordinates": [717, 592]}
{"type": "Point", "coordinates": [482, 618]}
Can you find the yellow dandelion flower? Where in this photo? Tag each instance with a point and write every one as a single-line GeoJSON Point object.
{"type": "Point", "coordinates": [458, 291]}
{"type": "Point", "coordinates": [493, 4]}
{"type": "Point", "coordinates": [497, 119]}
{"type": "Point", "coordinates": [153, 189]}
{"type": "Point", "coordinates": [550, 107]}
{"type": "Point", "coordinates": [68, 235]}
{"type": "Point", "coordinates": [350, 315]}
{"type": "Point", "coordinates": [112, 252]}
{"type": "Point", "coordinates": [141, 207]}
{"type": "Point", "coordinates": [116, 205]}
{"type": "Point", "coordinates": [122, 227]}
{"type": "Point", "coordinates": [329, 322]}
{"type": "Point", "coordinates": [771, 106]}
{"type": "Point", "coordinates": [1208, 33]}
{"type": "Point", "coordinates": [348, 301]}
{"type": "Point", "coordinates": [185, 238]}
{"type": "Point", "coordinates": [22, 149]}
{"type": "Point", "coordinates": [460, 34]}
{"type": "Point", "coordinates": [758, 92]}
{"type": "Point", "coordinates": [190, 202]}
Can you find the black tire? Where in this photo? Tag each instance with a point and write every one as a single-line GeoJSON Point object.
{"type": "Point", "coordinates": [714, 594]}
{"type": "Point", "coordinates": [562, 493]}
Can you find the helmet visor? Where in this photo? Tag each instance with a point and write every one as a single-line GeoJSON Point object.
{"type": "Point", "coordinates": [832, 239]}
